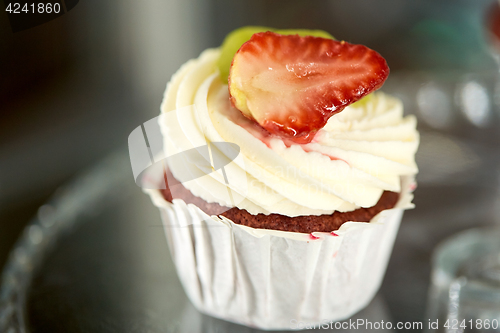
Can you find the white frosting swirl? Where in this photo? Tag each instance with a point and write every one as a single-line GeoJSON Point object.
{"type": "Point", "coordinates": [361, 151]}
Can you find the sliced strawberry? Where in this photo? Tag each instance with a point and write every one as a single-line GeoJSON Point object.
{"type": "Point", "coordinates": [291, 85]}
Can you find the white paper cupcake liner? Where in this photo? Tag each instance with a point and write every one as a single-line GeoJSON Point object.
{"type": "Point", "coordinates": [269, 279]}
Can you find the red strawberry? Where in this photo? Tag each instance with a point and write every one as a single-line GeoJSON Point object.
{"type": "Point", "coordinates": [291, 85]}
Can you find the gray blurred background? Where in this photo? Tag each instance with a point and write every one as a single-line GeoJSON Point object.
{"type": "Point", "coordinates": [72, 90]}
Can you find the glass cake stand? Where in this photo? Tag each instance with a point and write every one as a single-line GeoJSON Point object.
{"type": "Point", "coordinates": [95, 259]}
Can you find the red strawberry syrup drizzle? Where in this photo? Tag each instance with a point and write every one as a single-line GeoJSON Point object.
{"type": "Point", "coordinates": [311, 236]}
{"type": "Point", "coordinates": [265, 137]}
{"type": "Point", "coordinates": [333, 158]}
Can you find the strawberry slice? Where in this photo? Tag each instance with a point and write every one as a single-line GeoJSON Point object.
{"type": "Point", "coordinates": [291, 85]}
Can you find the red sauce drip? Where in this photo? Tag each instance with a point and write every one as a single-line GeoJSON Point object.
{"type": "Point", "coordinates": [334, 234]}
{"type": "Point", "coordinates": [333, 158]}
{"type": "Point", "coordinates": [265, 137]}
{"type": "Point", "coordinates": [311, 236]}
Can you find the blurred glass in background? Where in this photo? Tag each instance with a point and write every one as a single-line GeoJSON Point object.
{"type": "Point", "coordinates": [74, 88]}
{"type": "Point", "coordinates": [465, 283]}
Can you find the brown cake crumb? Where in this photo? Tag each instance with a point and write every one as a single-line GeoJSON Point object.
{"type": "Point", "coordinates": [304, 224]}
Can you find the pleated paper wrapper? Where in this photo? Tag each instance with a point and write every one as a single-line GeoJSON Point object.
{"type": "Point", "coordinates": [269, 279]}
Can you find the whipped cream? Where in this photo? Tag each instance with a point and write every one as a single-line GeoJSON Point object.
{"type": "Point", "coordinates": [361, 152]}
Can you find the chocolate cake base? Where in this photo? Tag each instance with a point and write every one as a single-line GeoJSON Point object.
{"type": "Point", "coordinates": [303, 224]}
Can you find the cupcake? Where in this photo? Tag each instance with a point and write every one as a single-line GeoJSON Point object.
{"type": "Point", "coordinates": [288, 175]}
